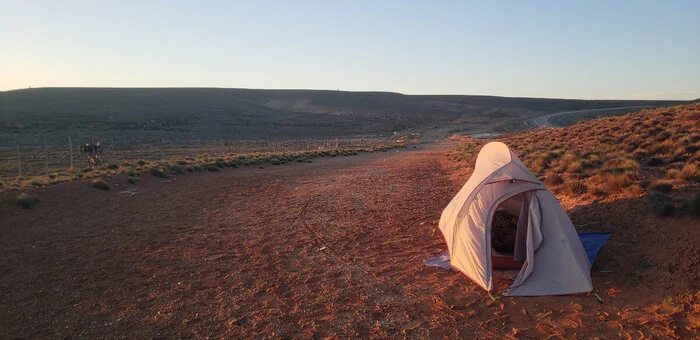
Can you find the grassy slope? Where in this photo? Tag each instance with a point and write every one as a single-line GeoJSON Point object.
{"type": "Point", "coordinates": [142, 115]}
{"type": "Point", "coordinates": [651, 151]}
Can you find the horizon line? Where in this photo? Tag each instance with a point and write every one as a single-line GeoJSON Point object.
{"type": "Point", "coordinates": [337, 90]}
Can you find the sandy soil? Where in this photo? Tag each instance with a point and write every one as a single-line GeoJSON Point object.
{"type": "Point", "coordinates": [239, 254]}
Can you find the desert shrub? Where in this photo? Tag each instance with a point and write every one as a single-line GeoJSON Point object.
{"type": "Point", "coordinates": [100, 184]}
{"type": "Point", "coordinates": [113, 166]}
{"type": "Point", "coordinates": [26, 202]}
{"type": "Point", "coordinates": [618, 165]}
{"type": "Point", "coordinates": [212, 167]}
{"type": "Point", "coordinates": [220, 163]}
{"type": "Point", "coordinates": [672, 173]}
{"type": "Point", "coordinates": [566, 160]}
{"type": "Point", "coordinates": [689, 171]}
{"type": "Point", "coordinates": [553, 179]}
{"type": "Point", "coordinates": [301, 160]}
{"type": "Point", "coordinates": [575, 187]}
{"type": "Point", "coordinates": [598, 190]}
{"type": "Point", "coordinates": [141, 162]}
{"type": "Point", "coordinates": [158, 172]}
{"type": "Point", "coordinates": [661, 204]}
{"type": "Point", "coordinates": [635, 189]}
{"type": "Point", "coordinates": [275, 161]}
{"type": "Point", "coordinates": [79, 175]}
{"type": "Point", "coordinates": [181, 162]}
{"type": "Point", "coordinates": [617, 182]}
{"type": "Point", "coordinates": [233, 164]}
{"type": "Point", "coordinates": [574, 167]}
{"type": "Point", "coordinates": [197, 168]}
{"type": "Point", "coordinates": [539, 162]}
{"type": "Point", "coordinates": [133, 180]}
{"type": "Point", "coordinates": [176, 169]}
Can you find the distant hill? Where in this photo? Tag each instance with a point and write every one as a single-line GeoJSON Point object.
{"type": "Point", "coordinates": [143, 115]}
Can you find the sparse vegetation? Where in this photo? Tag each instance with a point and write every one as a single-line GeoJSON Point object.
{"type": "Point", "coordinates": [650, 152]}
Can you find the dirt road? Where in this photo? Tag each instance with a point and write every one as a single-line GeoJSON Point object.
{"type": "Point", "coordinates": [307, 250]}
{"type": "Point", "coordinates": [545, 121]}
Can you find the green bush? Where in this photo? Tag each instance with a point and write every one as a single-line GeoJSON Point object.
{"type": "Point", "coordinates": [275, 161]}
{"type": "Point", "coordinates": [27, 202]}
{"type": "Point", "coordinates": [212, 167]}
{"type": "Point", "coordinates": [197, 168]}
{"type": "Point", "coordinates": [141, 162]}
{"type": "Point", "coordinates": [176, 169]}
{"type": "Point", "coordinates": [113, 167]}
{"type": "Point", "coordinates": [181, 162]}
{"type": "Point", "coordinates": [158, 172]}
{"type": "Point", "coordinates": [100, 184]}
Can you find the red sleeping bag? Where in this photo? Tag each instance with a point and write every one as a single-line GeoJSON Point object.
{"type": "Point", "coordinates": [504, 261]}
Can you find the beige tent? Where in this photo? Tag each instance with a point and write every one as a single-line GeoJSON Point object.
{"type": "Point", "coordinates": [554, 261]}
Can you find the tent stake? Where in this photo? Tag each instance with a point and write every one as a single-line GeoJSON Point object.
{"type": "Point", "coordinates": [598, 297]}
{"type": "Point", "coordinates": [494, 297]}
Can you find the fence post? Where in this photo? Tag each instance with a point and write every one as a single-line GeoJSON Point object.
{"type": "Point", "coordinates": [19, 163]}
{"type": "Point", "coordinates": [46, 159]}
{"type": "Point", "coordinates": [70, 151]}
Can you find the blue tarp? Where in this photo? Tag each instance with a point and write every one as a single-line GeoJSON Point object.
{"type": "Point", "coordinates": [592, 242]}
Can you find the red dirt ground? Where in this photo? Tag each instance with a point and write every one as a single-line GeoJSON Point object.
{"type": "Point", "coordinates": [237, 254]}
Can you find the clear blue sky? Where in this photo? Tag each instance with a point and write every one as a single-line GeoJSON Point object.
{"type": "Point", "coordinates": [565, 49]}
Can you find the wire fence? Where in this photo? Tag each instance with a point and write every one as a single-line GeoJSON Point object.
{"type": "Point", "coordinates": [36, 160]}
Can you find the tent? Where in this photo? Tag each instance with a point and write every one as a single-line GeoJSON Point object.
{"type": "Point", "coordinates": [547, 249]}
